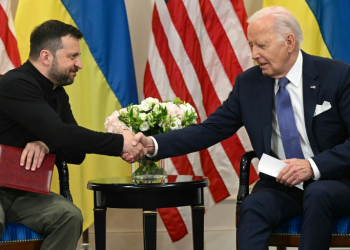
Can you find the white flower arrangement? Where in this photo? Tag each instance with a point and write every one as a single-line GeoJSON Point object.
{"type": "Point", "coordinates": [152, 117]}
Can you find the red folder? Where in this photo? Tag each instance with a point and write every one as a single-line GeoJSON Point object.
{"type": "Point", "coordinates": [12, 175]}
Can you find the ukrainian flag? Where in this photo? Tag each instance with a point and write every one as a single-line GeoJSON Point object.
{"type": "Point", "coordinates": [107, 81]}
{"type": "Point", "coordinates": [325, 25]}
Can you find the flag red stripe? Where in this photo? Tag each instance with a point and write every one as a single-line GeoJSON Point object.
{"type": "Point", "coordinates": [220, 41]}
{"type": "Point", "coordinates": [238, 6]}
{"type": "Point", "coordinates": [182, 165]}
{"type": "Point", "coordinates": [190, 41]}
{"type": "Point", "coordinates": [9, 39]}
{"type": "Point", "coordinates": [234, 150]}
{"type": "Point", "coordinates": [187, 33]}
{"type": "Point", "coordinates": [176, 80]}
{"type": "Point", "coordinates": [173, 222]}
{"type": "Point", "coordinates": [172, 219]}
{"type": "Point", "coordinates": [150, 89]}
{"type": "Point", "coordinates": [232, 146]}
{"type": "Point", "coordinates": [217, 186]}
{"type": "Point", "coordinates": [190, 44]}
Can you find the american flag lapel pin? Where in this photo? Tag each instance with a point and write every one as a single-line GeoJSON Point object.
{"type": "Point", "coordinates": [312, 87]}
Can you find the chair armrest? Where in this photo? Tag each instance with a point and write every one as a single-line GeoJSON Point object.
{"type": "Point", "coordinates": [244, 171]}
{"type": "Point", "coordinates": [63, 175]}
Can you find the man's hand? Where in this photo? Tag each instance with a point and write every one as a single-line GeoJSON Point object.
{"type": "Point", "coordinates": [134, 150]}
{"type": "Point", "coordinates": [295, 172]}
{"type": "Point", "coordinates": [145, 141]}
{"type": "Point", "coordinates": [33, 155]}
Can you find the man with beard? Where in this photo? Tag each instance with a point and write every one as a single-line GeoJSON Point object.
{"type": "Point", "coordinates": [35, 114]}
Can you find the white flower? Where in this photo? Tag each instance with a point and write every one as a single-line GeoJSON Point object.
{"type": "Point", "coordinates": [143, 116]}
{"type": "Point", "coordinates": [144, 106]}
{"type": "Point", "coordinates": [151, 101]}
{"type": "Point", "coordinates": [144, 126]}
{"type": "Point", "coordinates": [183, 108]}
{"type": "Point", "coordinates": [175, 124]}
{"type": "Point", "coordinates": [190, 111]}
{"type": "Point", "coordinates": [189, 108]}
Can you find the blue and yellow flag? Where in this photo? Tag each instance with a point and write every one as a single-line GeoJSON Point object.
{"type": "Point", "coordinates": [324, 24]}
{"type": "Point", "coordinates": [107, 81]}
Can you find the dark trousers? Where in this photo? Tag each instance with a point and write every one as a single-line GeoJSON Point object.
{"type": "Point", "coordinates": [272, 203]}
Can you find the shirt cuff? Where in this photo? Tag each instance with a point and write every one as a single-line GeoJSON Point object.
{"type": "Point", "coordinates": [317, 174]}
{"type": "Point", "coordinates": [155, 148]}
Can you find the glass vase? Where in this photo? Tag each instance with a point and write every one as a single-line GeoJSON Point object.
{"type": "Point", "coordinates": [146, 171]}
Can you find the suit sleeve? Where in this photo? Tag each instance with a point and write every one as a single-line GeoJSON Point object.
{"type": "Point", "coordinates": [220, 125]}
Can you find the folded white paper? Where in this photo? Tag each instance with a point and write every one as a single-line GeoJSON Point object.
{"type": "Point", "coordinates": [272, 166]}
{"type": "Point", "coordinates": [322, 108]}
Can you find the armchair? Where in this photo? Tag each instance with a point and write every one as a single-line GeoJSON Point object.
{"type": "Point", "coordinates": [17, 236]}
{"type": "Point", "coordinates": [288, 233]}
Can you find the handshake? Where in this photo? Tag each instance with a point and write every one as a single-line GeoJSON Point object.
{"type": "Point", "coordinates": [136, 146]}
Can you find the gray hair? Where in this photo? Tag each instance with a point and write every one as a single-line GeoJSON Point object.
{"type": "Point", "coordinates": [284, 22]}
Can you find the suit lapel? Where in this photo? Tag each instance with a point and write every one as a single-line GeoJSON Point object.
{"type": "Point", "coordinates": [266, 94]}
{"type": "Point", "coordinates": [310, 91]}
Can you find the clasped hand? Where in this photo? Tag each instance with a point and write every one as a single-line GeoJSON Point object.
{"type": "Point", "coordinates": [138, 141]}
{"type": "Point", "coordinates": [296, 171]}
{"type": "Point", "coordinates": [133, 151]}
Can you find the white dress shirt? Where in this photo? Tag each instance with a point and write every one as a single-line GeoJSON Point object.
{"type": "Point", "coordinates": [295, 90]}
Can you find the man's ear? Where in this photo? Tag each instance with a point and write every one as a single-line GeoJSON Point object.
{"type": "Point", "coordinates": [46, 57]}
{"type": "Point", "coordinates": [290, 41]}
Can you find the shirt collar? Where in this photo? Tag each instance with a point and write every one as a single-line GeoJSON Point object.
{"type": "Point", "coordinates": [295, 73]}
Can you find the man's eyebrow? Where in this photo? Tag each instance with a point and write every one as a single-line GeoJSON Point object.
{"type": "Point", "coordinates": [74, 54]}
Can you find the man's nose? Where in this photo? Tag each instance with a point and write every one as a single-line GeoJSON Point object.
{"type": "Point", "coordinates": [78, 63]}
{"type": "Point", "coordinates": [255, 53]}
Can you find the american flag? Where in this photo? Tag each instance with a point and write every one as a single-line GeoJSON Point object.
{"type": "Point", "coordinates": [9, 56]}
{"type": "Point", "coordinates": [196, 50]}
